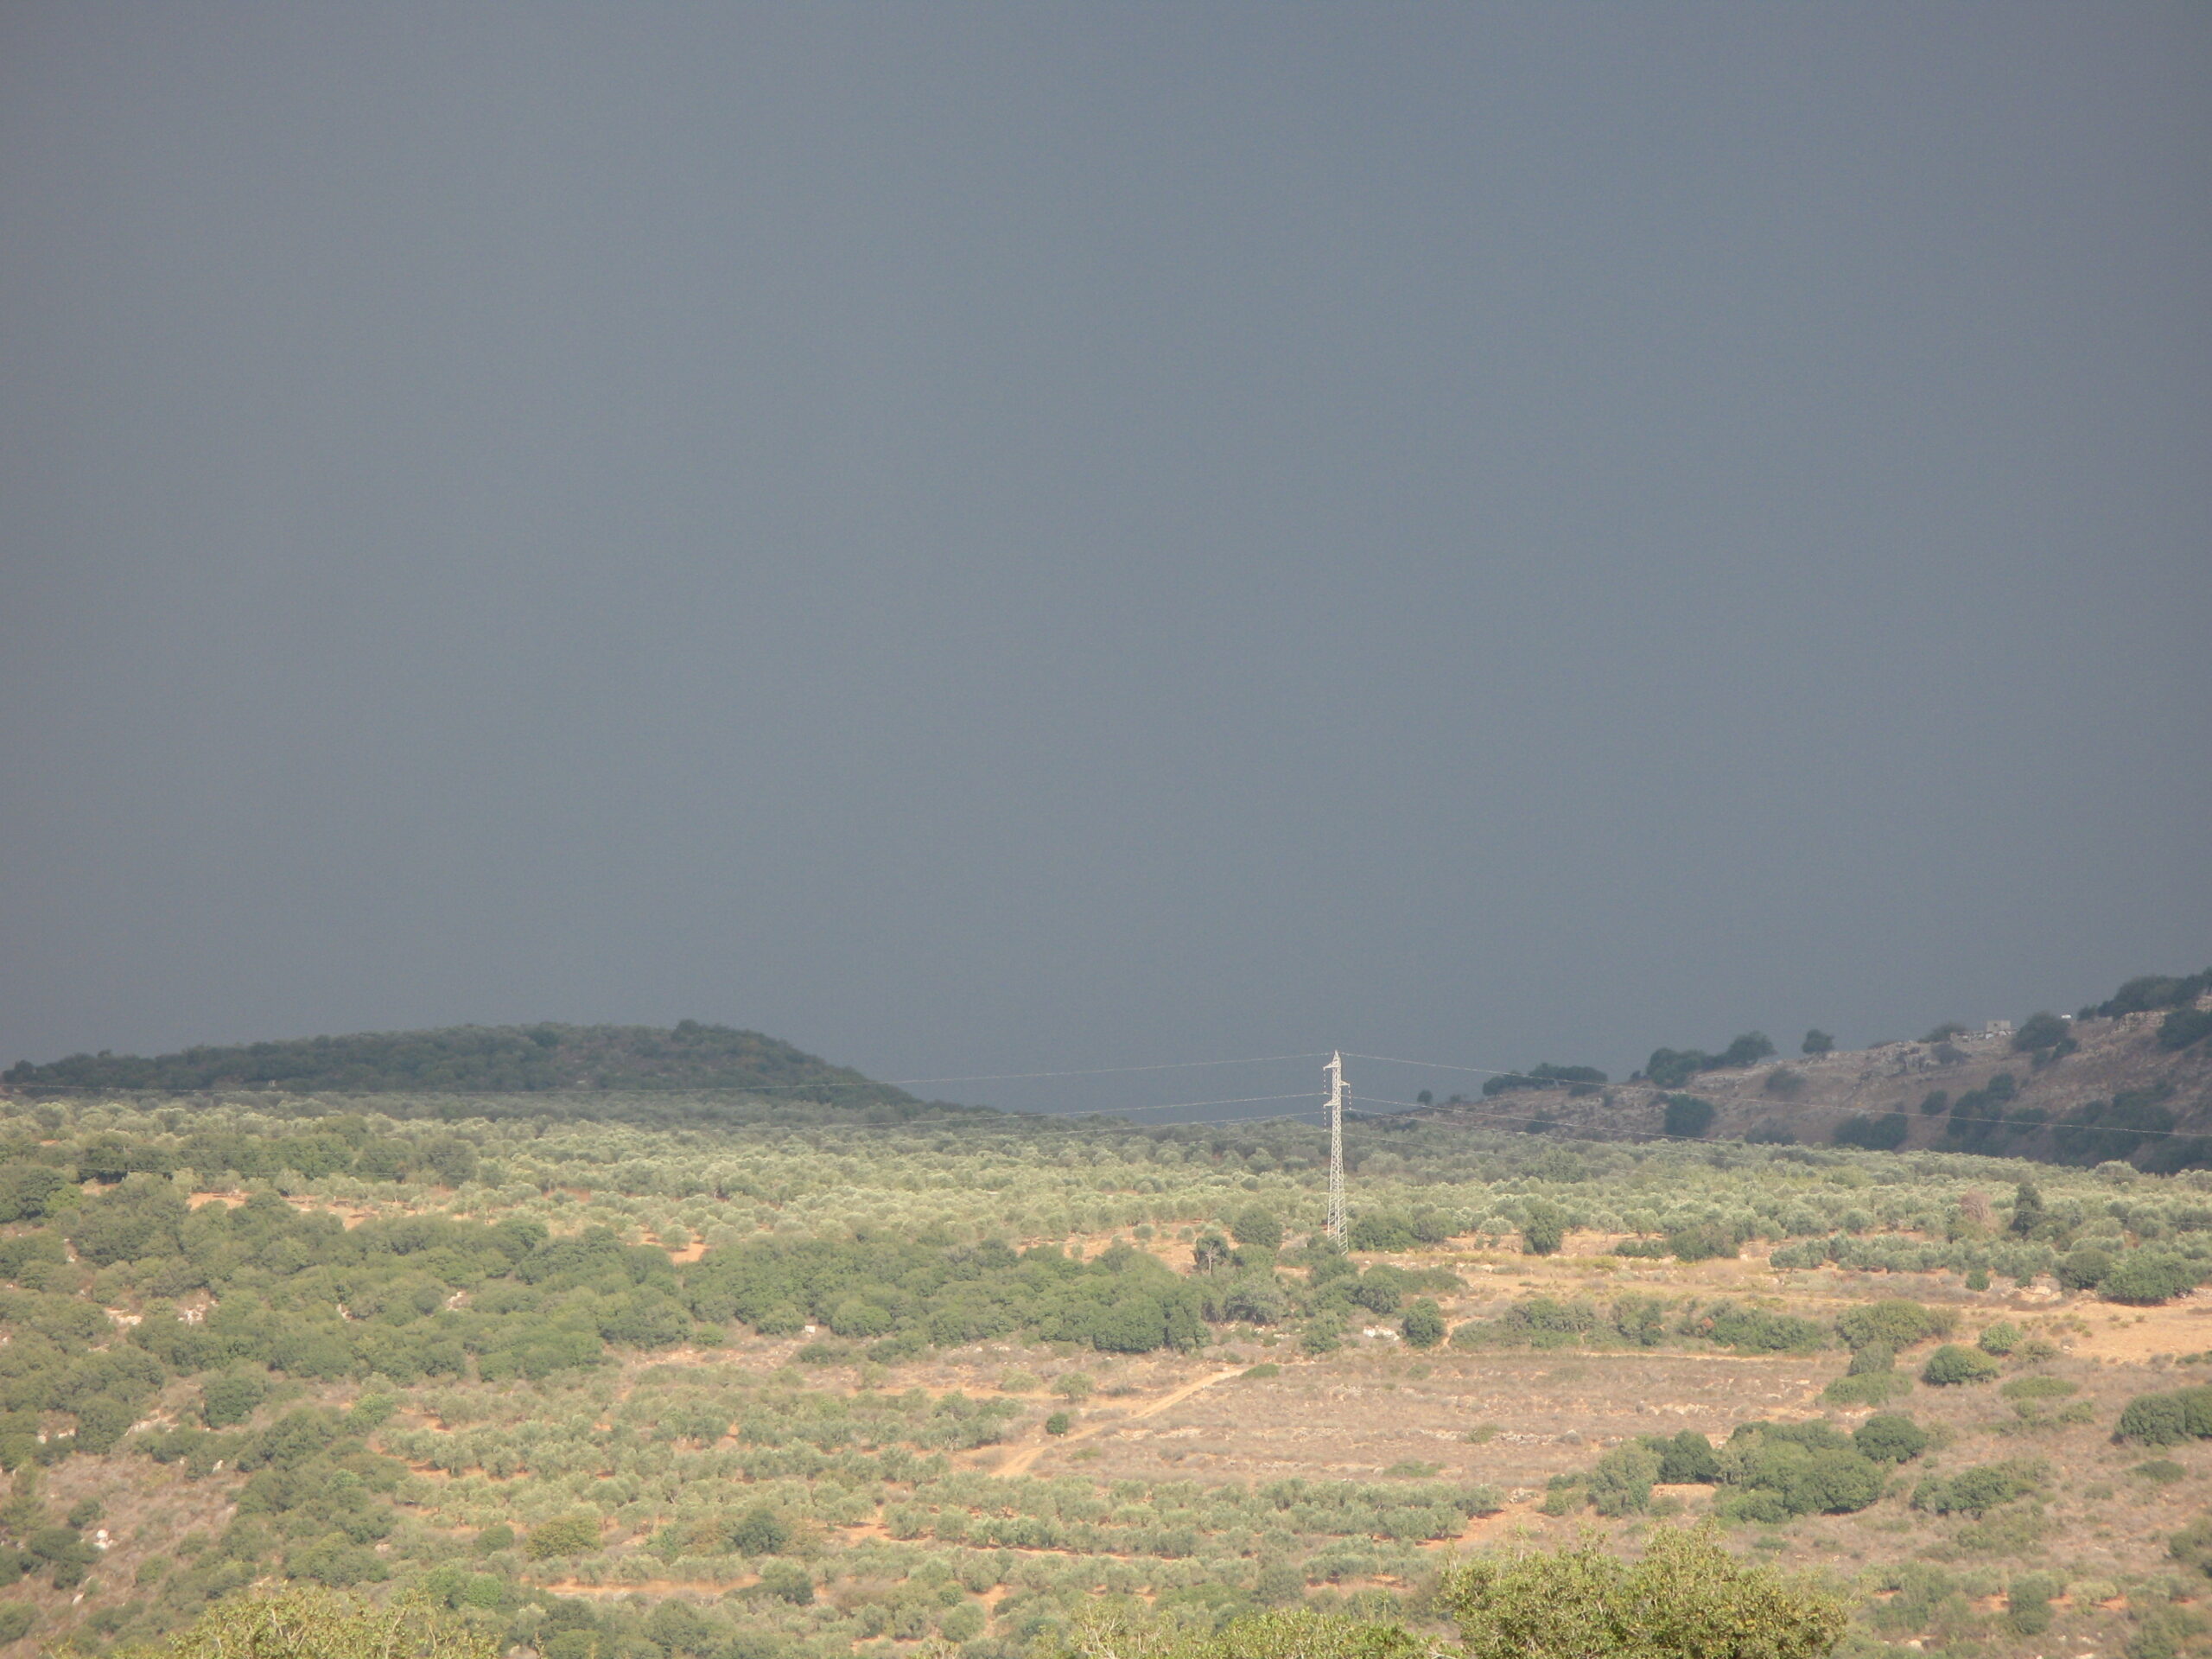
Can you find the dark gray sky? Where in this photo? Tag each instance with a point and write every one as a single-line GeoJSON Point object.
{"type": "Point", "coordinates": [985, 539]}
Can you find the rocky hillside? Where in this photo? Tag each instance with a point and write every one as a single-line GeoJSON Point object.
{"type": "Point", "coordinates": [2110, 1082]}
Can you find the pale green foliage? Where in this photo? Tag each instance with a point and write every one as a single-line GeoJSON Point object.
{"type": "Point", "coordinates": [1121, 1633]}
{"type": "Point", "coordinates": [1687, 1598]}
{"type": "Point", "coordinates": [309, 1623]}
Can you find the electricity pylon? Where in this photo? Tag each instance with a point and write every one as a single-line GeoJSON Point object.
{"type": "Point", "coordinates": [1334, 1072]}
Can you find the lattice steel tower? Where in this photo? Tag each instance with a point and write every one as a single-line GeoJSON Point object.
{"type": "Point", "coordinates": [1334, 1073]}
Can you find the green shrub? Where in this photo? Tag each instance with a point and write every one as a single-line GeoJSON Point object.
{"type": "Point", "coordinates": [2145, 1278]}
{"type": "Point", "coordinates": [1059, 1422]}
{"type": "Point", "coordinates": [1423, 1325]}
{"type": "Point", "coordinates": [2084, 1269]}
{"type": "Point", "coordinates": [569, 1534]}
{"type": "Point", "coordinates": [2184, 1027]}
{"type": "Point", "coordinates": [1706, 1241]}
{"type": "Point", "coordinates": [2029, 1595]}
{"type": "Point", "coordinates": [1686, 1599]}
{"type": "Point", "coordinates": [1533, 1322]}
{"type": "Point", "coordinates": [2167, 1419]}
{"type": "Point", "coordinates": [1952, 1365]}
{"type": "Point", "coordinates": [1980, 1489]}
{"type": "Point", "coordinates": [1688, 1116]}
{"type": "Point", "coordinates": [2192, 1545]}
{"type": "Point", "coordinates": [1751, 1329]}
{"type": "Point", "coordinates": [230, 1398]}
{"type": "Point", "coordinates": [1621, 1482]}
{"type": "Point", "coordinates": [1816, 1042]}
{"type": "Point", "coordinates": [1670, 1068]}
{"type": "Point", "coordinates": [787, 1581]}
{"type": "Point", "coordinates": [1883, 1133]}
{"type": "Point", "coordinates": [1889, 1437]}
{"type": "Point", "coordinates": [1686, 1458]}
{"type": "Point", "coordinates": [1999, 1339]}
{"type": "Point", "coordinates": [1867, 1389]}
{"type": "Point", "coordinates": [304, 1623]}
{"type": "Point", "coordinates": [1785, 1470]}
{"type": "Point", "coordinates": [1383, 1231]}
{"type": "Point", "coordinates": [1747, 1050]}
{"type": "Point", "coordinates": [2153, 1420]}
{"type": "Point", "coordinates": [1543, 1230]}
{"type": "Point", "coordinates": [760, 1531]}
{"type": "Point", "coordinates": [1894, 1323]}
{"type": "Point", "coordinates": [1257, 1228]}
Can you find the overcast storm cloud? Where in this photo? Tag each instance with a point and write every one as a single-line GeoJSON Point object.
{"type": "Point", "coordinates": [993, 539]}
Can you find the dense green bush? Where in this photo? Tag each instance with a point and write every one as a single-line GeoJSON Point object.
{"type": "Point", "coordinates": [2106, 1131]}
{"type": "Point", "coordinates": [1752, 1329]}
{"type": "Point", "coordinates": [312, 1624]}
{"type": "Point", "coordinates": [1670, 1068]}
{"type": "Point", "coordinates": [1686, 1599]}
{"type": "Point", "coordinates": [1953, 1364]}
{"type": "Point", "coordinates": [1889, 1437]}
{"type": "Point", "coordinates": [1779, 1471]}
{"type": "Point", "coordinates": [1124, 1301]}
{"type": "Point", "coordinates": [1577, 1080]}
{"type": "Point", "coordinates": [2184, 1027]}
{"type": "Point", "coordinates": [1706, 1241]}
{"type": "Point", "coordinates": [2167, 1419]}
{"type": "Point", "coordinates": [1686, 1458]}
{"type": "Point", "coordinates": [1977, 1490]}
{"type": "Point", "coordinates": [1892, 1323]}
{"type": "Point", "coordinates": [1621, 1482]}
{"type": "Point", "coordinates": [1392, 1231]}
{"type": "Point", "coordinates": [1885, 1132]}
{"type": "Point", "coordinates": [2145, 1278]}
{"type": "Point", "coordinates": [1688, 1116]}
{"type": "Point", "coordinates": [2085, 1268]}
{"type": "Point", "coordinates": [1423, 1325]}
{"type": "Point", "coordinates": [1543, 1229]}
{"type": "Point", "coordinates": [1258, 1228]}
{"type": "Point", "coordinates": [2192, 1545]}
{"type": "Point", "coordinates": [2149, 992]}
{"type": "Point", "coordinates": [569, 1534]}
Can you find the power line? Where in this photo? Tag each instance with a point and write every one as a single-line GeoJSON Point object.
{"type": "Point", "coordinates": [1097, 1071]}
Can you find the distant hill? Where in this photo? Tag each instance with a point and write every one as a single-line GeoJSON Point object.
{"type": "Point", "coordinates": [2128, 1079]}
{"type": "Point", "coordinates": [478, 1059]}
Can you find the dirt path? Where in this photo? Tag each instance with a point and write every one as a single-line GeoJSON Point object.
{"type": "Point", "coordinates": [1026, 1457]}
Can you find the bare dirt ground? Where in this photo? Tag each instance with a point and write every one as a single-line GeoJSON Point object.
{"type": "Point", "coordinates": [1023, 1458]}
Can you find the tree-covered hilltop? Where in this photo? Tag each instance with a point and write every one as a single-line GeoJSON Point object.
{"type": "Point", "coordinates": [477, 1059]}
